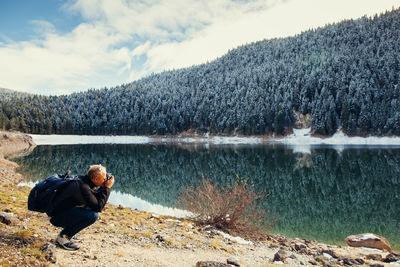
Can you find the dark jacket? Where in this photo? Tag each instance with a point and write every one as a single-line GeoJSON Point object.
{"type": "Point", "coordinates": [81, 193]}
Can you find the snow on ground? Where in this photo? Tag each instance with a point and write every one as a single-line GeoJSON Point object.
{"type": "Point", "coordinates": [87, 139]}
{"type": "Point", "coordinates": [96, 139]}
{"type": "Point", "coordinates": [303, 137]}
{"type": "Point", "coordinates": [301, 140]}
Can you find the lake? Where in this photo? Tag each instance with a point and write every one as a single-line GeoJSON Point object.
{"type": "Point", "coordinates": [324, 194]}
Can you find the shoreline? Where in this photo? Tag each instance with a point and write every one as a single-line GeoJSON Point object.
{"type": "Point", "coordinates": [140, 238]}
{"type": "Point", "coordinates": [300, 137]}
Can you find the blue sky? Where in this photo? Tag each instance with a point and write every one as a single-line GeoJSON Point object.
{"type": "Point", "coordinates": [60, 47]}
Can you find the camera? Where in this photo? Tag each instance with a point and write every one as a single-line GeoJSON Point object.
{"type": "Point", "coordinates": [108, 176]}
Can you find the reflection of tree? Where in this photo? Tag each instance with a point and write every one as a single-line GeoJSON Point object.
{"type": "Point", "coordinates": [303, 161]}
{"type": "Point", "coordinates": [335, 196]}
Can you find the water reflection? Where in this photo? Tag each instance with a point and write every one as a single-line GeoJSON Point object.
{"type": "Point", "coordinates": [323, 194]}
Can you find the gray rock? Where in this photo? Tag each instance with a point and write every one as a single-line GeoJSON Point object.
{"type": "Point", "coordinates": [330, 252]}
{"type": "Point", "coordinates": [211, 264]}
{"type": "Point", "coordinates": [375, 257]}
{"type": "Point", "coordinates": [233, 261]}
{"type": "Point", "coordinates": [49, 250]}
{"type": "Point", "coordinates": [8, 218]}
{"type": "Point", "coordinates": [392, 257]}
{"type": "Point", "coordinates": [376, 265]}
{"type": "Point", "coordinates": [281, 255]}
{"type": "Point", "coordinates": [299, 246]}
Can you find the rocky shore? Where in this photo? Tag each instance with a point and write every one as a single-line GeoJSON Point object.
{"type": "Point", "coordinates": [126, 237]}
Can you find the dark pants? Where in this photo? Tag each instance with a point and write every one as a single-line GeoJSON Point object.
{"type": "Point", "coordinates": [74, 220]}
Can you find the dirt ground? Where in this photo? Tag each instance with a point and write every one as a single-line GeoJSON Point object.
{"type": "Point", "coordinates": [126, 237]}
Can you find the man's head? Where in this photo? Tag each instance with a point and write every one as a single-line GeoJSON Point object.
{"type": "Point", "coordinates": [97, 174]}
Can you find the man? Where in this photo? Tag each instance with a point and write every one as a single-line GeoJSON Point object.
{"type": "Point", "coordinates": [77, 205]}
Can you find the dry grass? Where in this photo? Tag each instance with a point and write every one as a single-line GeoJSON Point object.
{"type": "Point", "coordinates": [233, 209]}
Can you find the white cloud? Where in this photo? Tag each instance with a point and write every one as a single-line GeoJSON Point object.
{"type": "Point", "coordinates": [122, 40]}
{"type": "Point", "coordinates": [286, 19]}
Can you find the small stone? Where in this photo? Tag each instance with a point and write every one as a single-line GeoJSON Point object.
{"type": "Point", "coordinates": [299, 246]}
{"type": "Point", "coordinates": [49, 250]}
{"type": "Point", "coordinates": [327, 256]}
{"type": "Point", "coordinates": [375, 257]}
{"type": "Point", "coordinates": [330, 253]}
{"type": "Point", "coordinates": [273, 245]}
{"type": "Point", "coordinates": [211, 264]}
{"type": "Point", "coordinates": [392, 257]}
{"type": "Point", "coordinates": [281, 255]}
{"type": "Point", "coordinates": [160, 238]}
{"type": "Point", "coordinates": [348, 261]}
{"type": "Point", "coordinates": [234, 261]}
{"type": "Point", "coordinates": [8, 218]}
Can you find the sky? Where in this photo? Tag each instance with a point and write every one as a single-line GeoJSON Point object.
{"type": "Point", "coordinates": [54, 47]}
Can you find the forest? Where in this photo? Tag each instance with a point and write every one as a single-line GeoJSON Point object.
{"type": "Point", "coordinates": [344, 76]}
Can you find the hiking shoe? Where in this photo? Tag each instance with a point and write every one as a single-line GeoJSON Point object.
{"type": "Point", "coordinates": [64, 242]}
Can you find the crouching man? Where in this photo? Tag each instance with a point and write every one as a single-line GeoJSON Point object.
{"type": "Point", "coordinates": [77, 205]}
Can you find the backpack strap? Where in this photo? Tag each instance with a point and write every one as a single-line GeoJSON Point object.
{"type": "Point", "coordinates": [68, 172]}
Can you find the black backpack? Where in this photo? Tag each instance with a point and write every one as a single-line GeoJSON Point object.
{"type": "Point", "coordinates": [43, 193]}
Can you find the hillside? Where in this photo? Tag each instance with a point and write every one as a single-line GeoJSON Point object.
{"type": "Point", "coordinates": [345, 76]}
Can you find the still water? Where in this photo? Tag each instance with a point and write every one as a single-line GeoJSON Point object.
{"type": "Point", "coordinates": [324, 195]}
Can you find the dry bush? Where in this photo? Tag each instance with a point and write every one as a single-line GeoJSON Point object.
{"type": "Point", "coordinates": [233, 209]}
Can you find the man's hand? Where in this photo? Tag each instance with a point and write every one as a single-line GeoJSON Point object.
{"type": "Point", "coordinates": [109, 183]}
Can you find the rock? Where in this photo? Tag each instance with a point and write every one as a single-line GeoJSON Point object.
{"type": "Point", "coordinates": [281, 255]}
{"type": "Point", "coordinates": [375, 257]}
{"type": "Point", "coordinates": [299, 246]}
{"type": "Point", "coordinates": [211, 264]}
{"type": "Point", "coordinates": [273, 245]}
{"type": "Point", "coordinates": [368, 240]}
{"type": "Point", "coordinates": [8, 218]}
{"type": "Point", "coordinates": [348, 261]}
{"type": "Point", "coordinates": [376, 265]}
{"type": "Point", "coordinates": [233, 261]}
{"type": "Point", "coordinates": [330, 252]}
{"type": "Point", "coordinates": [392, 257]}
{"type": "Point", "coordinates": [160, 238]}
{"type": "Point", "coordinates": [49, 250]}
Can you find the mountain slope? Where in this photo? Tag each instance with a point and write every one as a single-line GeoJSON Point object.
{"type": "Point", "coordinates": [344, 75]}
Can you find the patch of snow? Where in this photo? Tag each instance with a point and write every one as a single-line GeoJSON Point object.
{"type": "Point", "coordinates": [304, 137]}
{"type": "Point", "coordinates": [87, 139]}
{"type": "Point", "coordinates": [237, 239]}
{"type": "Point", "coordinates": [234, 140]}
{"type": "Point", "coordinates": [301, 140]}
{"type": "Point", "coordinates": [366, 237]}
{"type": "Point", "coordinates": [395, 263]}
{"type": "Point", "coordinates": [372, 249]}
{"type": "Point", "coordinates": [98, 139]}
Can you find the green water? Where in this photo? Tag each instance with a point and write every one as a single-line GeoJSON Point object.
{"type": "Point", "coordinates": [326, 195]}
